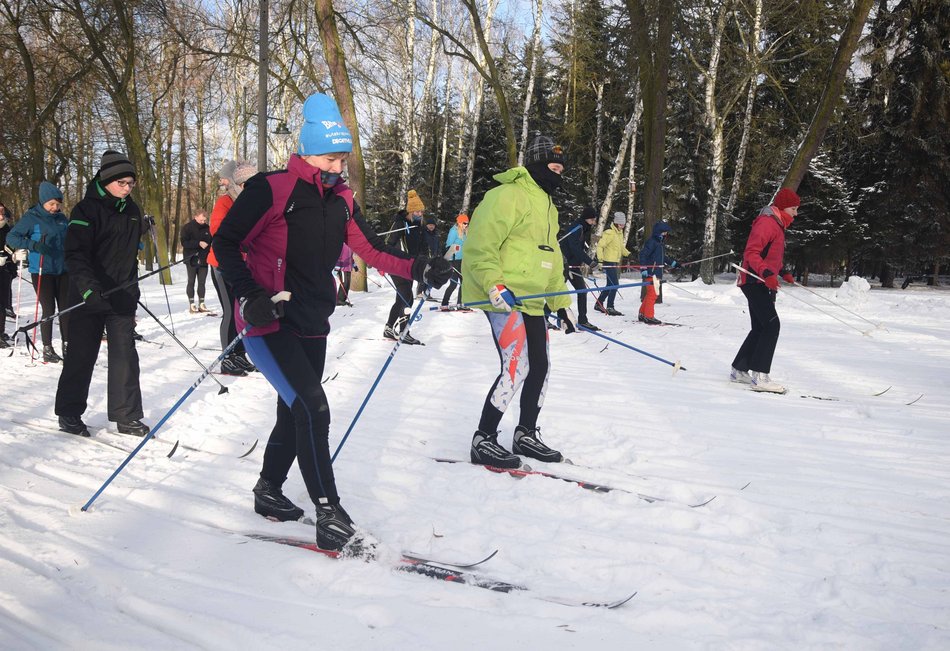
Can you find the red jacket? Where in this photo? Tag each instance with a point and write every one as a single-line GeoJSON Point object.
{"type": "Point", "coordinates": [221, 208]}
{"type": "Point", "coordinates": [765, 249]}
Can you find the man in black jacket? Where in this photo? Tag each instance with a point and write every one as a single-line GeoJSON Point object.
{"type": "Point", "coordinates": [572, 246]}
{"type": "Point", "coordinates": [195, 240]}
{"type": "Point", "coordinates": [102, 244]}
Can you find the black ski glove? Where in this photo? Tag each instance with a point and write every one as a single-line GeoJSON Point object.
{"type": "Point", "coordinates": [94, 300]}
{"type": "Point", "coordinates": [258, 310]}
{"type": "Point", "coordinates": [566, 315]}
{"type": "Point", "coordinates": [431, 271]}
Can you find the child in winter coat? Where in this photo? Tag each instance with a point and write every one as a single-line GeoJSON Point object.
{"type": "Point", "coordinates": [651, 265]}
{"type": "Point", "coordinates": [42, 230]}
{"type": "Point", "coordinates": [610, 250]}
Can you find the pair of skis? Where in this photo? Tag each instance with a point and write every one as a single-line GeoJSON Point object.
{"type": "Point", "coordinates": [450, 572]}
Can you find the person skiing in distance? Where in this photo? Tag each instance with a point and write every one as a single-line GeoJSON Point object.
{"type": "Point", "coordinates": [651, 265]}
{"type": "Point", "coordinates": [293, 224]}
{"type": "Point", "coordinates": [512, 251]}
{"type": "Point", "coordinates": [195, 243]}
{"type": "Point", "coordinates": [42, 231]}
{"type": "Point", "coordinates": [406, 235]}
{"type": "Point", "coordinates": [454, 243]}
{"type": "Point", "coordinates": [8, 271]}
{"type": "Point", "coordinates": [764, 256]}
{"type": "Point", "coordinates": [610, 250]}
{"type": "Point", "coordinates": [575, 257]}
{"type": "Point", "coordinates": [233, 176]}
{"type": "Point", "coordinates": [102, 244]}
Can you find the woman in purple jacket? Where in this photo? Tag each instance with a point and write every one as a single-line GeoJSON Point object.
{"type": "Point", "coordinates": [293, 223]}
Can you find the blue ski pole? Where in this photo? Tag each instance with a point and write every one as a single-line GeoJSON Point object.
{"type": "Point", "coordinates": [280, 296]}
{"type": "Point", "coordinates": [676, 365]}
{"type": "Point", "coordinates": [379, 377]}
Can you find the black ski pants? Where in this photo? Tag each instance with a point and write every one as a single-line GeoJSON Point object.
{"type": "Point", "coordinates": [512, 333]}
{"type": "Point", "coordinates": [455, 280]}
{"type": "Point", "coordinates": [294, 367]}
{"type": "Point", "coordinates": [85, 337]}
{"type": "Point", "coordinates": [757, 350]}
{"type": "Point", "coordinates": [576, 279]}
{"type": "Point", "coordinates": [403, 300]}
{"type": "Point", "coordinates": [200, 274]}
{"type": "Point", "coordinates": [52, 292]}
{"type": "Point", "coordinates": [227, 329]}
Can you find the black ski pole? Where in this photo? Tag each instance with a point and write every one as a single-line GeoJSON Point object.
{"type": "Point", "coordinates": [185, 348]}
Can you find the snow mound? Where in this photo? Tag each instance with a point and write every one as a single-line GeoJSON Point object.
{"type": "Point", "coordinates": [854, 291]}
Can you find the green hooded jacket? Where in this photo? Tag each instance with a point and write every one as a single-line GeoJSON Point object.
{"type": "Point", "coordinates": [512, 241]}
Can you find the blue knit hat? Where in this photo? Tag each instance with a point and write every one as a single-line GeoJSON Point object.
{"type": "Point", "coordinates": [49, 191]}
{"type": "Point", "coordinates": [323, 130]}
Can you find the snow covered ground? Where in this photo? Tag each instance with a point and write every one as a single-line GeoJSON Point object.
{"type": "Point", "coordinates": [830, 526]}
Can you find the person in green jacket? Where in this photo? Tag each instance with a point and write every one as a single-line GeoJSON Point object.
{"type": "Point", "coordinates": [511, 251]}
{"type": "Point", "coordinates": [610, 251]}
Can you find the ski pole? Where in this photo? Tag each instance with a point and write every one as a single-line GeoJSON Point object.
{"type": "Point", "coordinates": [16, 321]}
{"type": "Point", "coordinates": [106, 293]}
{"type": "Point", "coordinates": [276, 298]}
{"type": "Point", "coordinates": [178, 341]}
{"type": "Point", "coordinates": [564, 293]}
{"type": "Point", "coordinates": [814, 307]}
{"type": "Point", "coordinates": [568, 233]}
{"type": "Point", "coordinates": [838, 305]}
{"type": "Point", "coordinates": [396, 230]}
{"type": "Point", "coordinates": [676, 365]}
{"type": "Point", "coordinates": [36, 312]}
{"type": "Point", "coordinates": [151, 229]}
{"type": "Point", "coordinates": [379, 377]}
{"type": "Point", "coordinates": [712, 257]}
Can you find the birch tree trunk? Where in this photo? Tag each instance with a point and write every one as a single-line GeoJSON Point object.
{"type": "Point", "coordinates": [408, 99]}
{"type": "Point", "coordinates": [746, 120]}
{"type": "Point", "coordinates": [444, 151]}
{"type": "Point", "coordinates": [628, 139]}
{"type": "Point", "coordinates": [598, 140]}
{"type": "Point", "coordinates": [532, 72]}
{"type": "Point", "coordinates": [714, 123]}
{"type": "Point", "coordinates": [421, 136]}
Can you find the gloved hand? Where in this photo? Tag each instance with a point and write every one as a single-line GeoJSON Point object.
{"type": "Point", "coordinates": [42, 248]}
{"type": "Point", "coordinates": [789, 278]}
{"type": "Point", "coordinates": [645, 274]}
{"type": "Point", "coordinates": [21, 255]}
{"type": "Point", "coordinates": [593, 265]}
{"type": "Point", "coordinates": [93, 299]}
{"type": "Point", "coordinates": [674, 264]}
{"type": "Point", "coordinates": [501, 298]}
{"type": "Point", "coordinates": [257, 309]}
{"type": "Point", "coordinates": [431, 271]}
{"type": "Point", "coordinates": [568, 319]}
{"type": "Point", "coordinates": [771, 280]}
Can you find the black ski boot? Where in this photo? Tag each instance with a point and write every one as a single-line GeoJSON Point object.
{"type": "Point", "coordinates": [270, 502]}
{"type": "Point", "coordinates": [50, 356]}
{"type": "Point", "coordinates": [614, 312]}
{"type": "Point", "coordinates": [487, 451]}
{"type": "Point", "coordinates": [337, 533]}
{"type": "Point", "coordinates": [389, 333]}
{"type": "Point", "coordinates": [409, 340]}
{"type": "Point", "coordinates": [133, 427]}
{"type": "Point", "coordinates": [73, 425]}
{"type": "Point", "coordinates": [229, 366]}
{"type": "Point", "coordinates": [243, 362]}
{"type": "Point", "coordinates": [588, 325]}
{"type": "Point", "coordinates": [528, 443]}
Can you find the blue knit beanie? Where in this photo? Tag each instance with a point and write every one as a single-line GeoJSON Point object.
{"type": "Point", "coordinates": [323, 130]}
{"type": "Point", "coordinates": [49, 191]}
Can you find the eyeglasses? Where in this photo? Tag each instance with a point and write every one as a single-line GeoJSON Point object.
{"type": "Point", "coordinates": [126, 184]}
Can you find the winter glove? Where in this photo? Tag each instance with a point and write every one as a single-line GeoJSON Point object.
{"type": "Point", "coordinates": [93, 299]}
{"type": "Point", "coordinates": [568, 319]}
{"type": "Point", "coordinates": [433, 271]}
{"type": "Point", "coordinates": [674, 264]}
{"type": "Point", "coordinates": [257, 309]}
{"type": "Point", "coordinates": [789, 278]}
{"type": "Point", "coordinates": [644, 274]}
{"type": "Point", "coordinates": [593, 265]}
{"type": "Point", "coordinates": [771, 280]}
{"type": "Point", "coordinates": [42, 248]}
{"type": "Point", "coordinates": [501, 298]}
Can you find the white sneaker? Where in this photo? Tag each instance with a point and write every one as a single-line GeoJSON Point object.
{"type": "Point", "coordinates": [762, 382]}
{"type": "Point", "coordinates": [740, 377]}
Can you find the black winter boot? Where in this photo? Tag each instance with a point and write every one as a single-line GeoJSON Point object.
{"type": "Point", "coordinates": [486, 451]}
{"type": "Point", "coordinates": [528, 443]}
{"type": "Point", "coordinates": [73, 425]}
{"type": "Point", "coordinates": [337, 533]}
{"type": "Point", "coordinates": [133, 427]}
{"type": "Point", "coordinates": [271, 502]}
{"type": "Point", "coordinates": [50, 356]}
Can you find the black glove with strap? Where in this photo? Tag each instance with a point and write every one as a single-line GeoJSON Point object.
{"type": "Point", "coordinates": [257, 309]}
{"type": "Point", "coordinates": [433, 271]}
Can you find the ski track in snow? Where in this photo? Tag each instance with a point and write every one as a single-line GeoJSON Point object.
{"type": "Point", "coordinates": [830, 527]}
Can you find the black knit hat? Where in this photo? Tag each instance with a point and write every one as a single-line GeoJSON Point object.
{"type": "Point", "coordinates": [588, 213]}
{"type": "Point", "coordinates": [543, 150]}
{"type": "Point", "coordinates": [115, 166]}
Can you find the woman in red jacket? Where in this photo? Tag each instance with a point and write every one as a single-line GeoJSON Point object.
{"type": "Point", "coordinates": [764, 253]}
